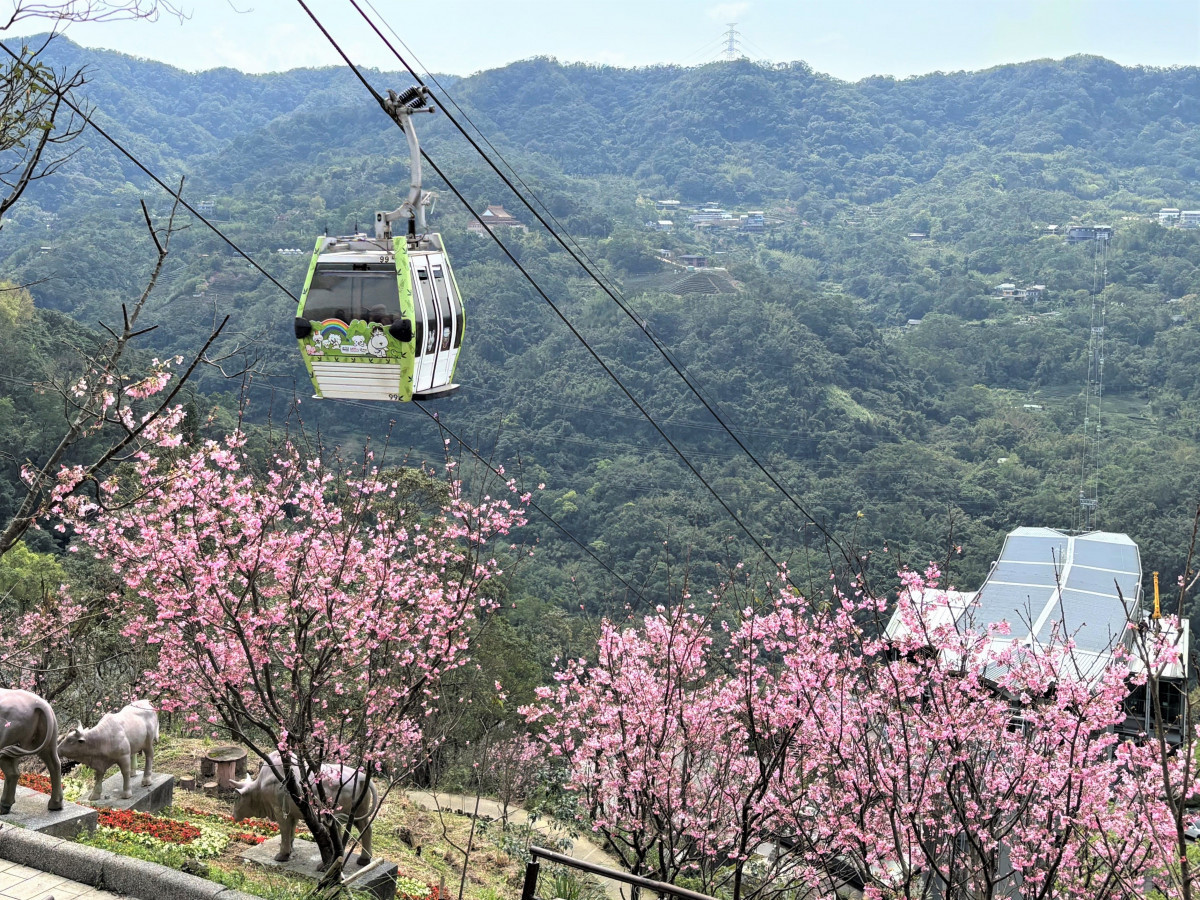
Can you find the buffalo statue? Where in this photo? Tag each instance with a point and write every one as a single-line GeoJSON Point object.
{"type": "Point", "coordinates": [29, 729]}
{"type": "Point", "coordinates": [116, 739]}
{"type": "Point", "coordinates": [264, 797]}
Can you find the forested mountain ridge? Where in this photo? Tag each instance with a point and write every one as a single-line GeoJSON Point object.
{"type": "Point", "coordinates": [947, 433]}
{"type": "Point", "coordinates": [740, 131]}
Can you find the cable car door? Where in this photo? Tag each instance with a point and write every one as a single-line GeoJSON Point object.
{"type": "Point", "coordinates": [430, 324]}
{"type": "Point", "coordinates": [450, 315]}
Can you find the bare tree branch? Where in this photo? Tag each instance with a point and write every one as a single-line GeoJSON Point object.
{"type": "Point", "coordinates": [97, 402]}
{"type": "Point", "coordinates": [33, 133]}
{"type": "Point", "coordinates": [92, 11]}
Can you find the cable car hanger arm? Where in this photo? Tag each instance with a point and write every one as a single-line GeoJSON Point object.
{"type": "Point", "coordinates": [401, 108]}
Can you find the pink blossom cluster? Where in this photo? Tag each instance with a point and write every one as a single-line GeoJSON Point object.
{"type": "Point", "coordinates": [794, 745]}
{"type": "Point", "coordinates": [298, 608]}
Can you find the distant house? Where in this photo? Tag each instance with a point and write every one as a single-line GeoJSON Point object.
{"type": "Point", "coordinates": [1077, 234]}
{"type": "Point", "coordinates": [1189, 218]}
{"type": "Point", "coordinates": [694, 260]}
{"type": "Point", "coordinates": [1168, 215]}
{"type": "Point", "coordinates": [918, 236]}
{"type": "Point", "coordinates": [495, 217]}
{"type": "Point", "coordinates": [206, 207]}
{"type": "Point", "coordinates": [667, 204]}
{"type": "Point", "coordinates": [754, 221]}
{"type": "Point", "coordinates": [664, 225]}
{"type": "Point", "coordinates": [1031, 293]}
{"type": "Point", "coordinates": [912, 323]}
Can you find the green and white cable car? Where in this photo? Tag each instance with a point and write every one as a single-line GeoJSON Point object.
{"type": "Point", "coordinates": [381, 317]}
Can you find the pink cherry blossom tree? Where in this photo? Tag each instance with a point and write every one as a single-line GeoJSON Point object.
{"type": "Point", "coordinates": [790, 745]}
{"type": "Point", "coordinates": [298, 609]}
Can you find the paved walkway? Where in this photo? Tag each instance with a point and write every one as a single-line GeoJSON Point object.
{"type": "Point", "coordinates": [581, 847]}
{"type": "Point", "coordinates": [23, 883]}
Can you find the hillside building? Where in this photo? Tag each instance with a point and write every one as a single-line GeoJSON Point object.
{"type": "Point", "coordinates": [1031, 293]}
{"type": "Point", "coordinates": [1077, 234]}
{"type": "Point", "coordinates": [496, 217]}
{"type": "Point", "coordinates": [1189, 218]}
{"type": "Point", "coordinates": [1048, 585]}
{"type": "Point", "coordinates": [709, 216]}
{"type": "Point", "coordinates": [1168, 215]}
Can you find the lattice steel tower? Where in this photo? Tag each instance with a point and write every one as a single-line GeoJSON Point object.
{"type": "Point", "coordinates": [1088, 512]}
{"type": "Point", "coordinates": [733, 43]}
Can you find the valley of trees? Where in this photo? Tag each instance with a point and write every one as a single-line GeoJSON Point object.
{"type": "Point", "coordinates": [809, 361]}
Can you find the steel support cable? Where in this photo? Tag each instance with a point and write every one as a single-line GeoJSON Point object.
{"type": "Point", "coordinates": [217, 231]}
{"type": "Point", "coordinates": [561, 315]}
{"type": "Point", "coordinates": [133, 159]}
{"type": "Point", "coordinates": [663, 350]}
{"type": "Point", "coordinates": [483, 137]}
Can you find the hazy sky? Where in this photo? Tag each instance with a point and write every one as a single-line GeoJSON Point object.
{"type": "Point", "coordinates": [846, 38]}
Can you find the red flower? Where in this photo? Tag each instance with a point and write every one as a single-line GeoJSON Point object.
{"type": "Point", "coordinates": [34, 780]}
{"type": "Point", "coordinates": [167, 830]}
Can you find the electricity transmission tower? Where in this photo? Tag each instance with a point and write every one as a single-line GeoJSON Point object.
{"type": "Point", "coordinates": [733, 43]}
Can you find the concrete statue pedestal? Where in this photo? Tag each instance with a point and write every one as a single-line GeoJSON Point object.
{"type": "Point", "coordinates": [158, 795]}
{"type": "Point", "coordinates": [29, 811]}
{"type": "Point", "coordinates": [379, 880]}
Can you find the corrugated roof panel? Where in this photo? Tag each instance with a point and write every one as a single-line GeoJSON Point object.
{"type": "Point", "coordinates": [1036, 549]}
{"type": "Point", "coordinates": [1042, 574]}
{"type": "Point", "coordinates": [1101, 581]}
{"type": "Point", "coordinates": [1106, 555]}
{"type": "Point", "coordinates": [1012, 603]}
{"type": "Point", "coordinates": [1094, 623]}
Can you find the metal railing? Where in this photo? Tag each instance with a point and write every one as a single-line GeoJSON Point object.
{"type": "Point", "coordinates": [533, 869]}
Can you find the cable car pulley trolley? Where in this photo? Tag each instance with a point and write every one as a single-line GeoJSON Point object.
{"type": "Point", "coordinates": [381, 317]}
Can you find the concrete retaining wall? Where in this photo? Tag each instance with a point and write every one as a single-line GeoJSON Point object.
{"type": "Point", "coordinates": [106, 870]}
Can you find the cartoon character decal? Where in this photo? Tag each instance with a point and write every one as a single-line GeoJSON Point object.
{"type": "Point", "coordinates": [333, 332]}
{"type": "Point", "coordinates": [378, 344]}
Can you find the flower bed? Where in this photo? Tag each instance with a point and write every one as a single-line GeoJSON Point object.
{"type": "Point", "coordinates": [415, 889]}
{"type": "Point", "coordinates": [169, 830]}
{"type": "Point", "coordinates": [34, 780]}
{"type": "Point", "coordinates": [264, 827]}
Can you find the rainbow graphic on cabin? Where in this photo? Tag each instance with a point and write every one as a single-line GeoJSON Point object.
{"type": "Point", "coordinates": [334, 326]}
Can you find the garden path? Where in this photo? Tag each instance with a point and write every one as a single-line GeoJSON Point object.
{"type": "Point", "coordinates": [23, 883]}
{"type": "Point", "coordinates": [581, 848]}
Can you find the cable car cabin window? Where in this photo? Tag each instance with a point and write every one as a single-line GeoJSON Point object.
{"type": "Point", "coordinates": [342, 293]}
{"type": "Point", "coordinates": [447, 320]}
{"type": "Point", "coordinates": [431, 331]}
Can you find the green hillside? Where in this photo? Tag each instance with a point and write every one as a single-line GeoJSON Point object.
{"type": "Point", "coordinates": [909, 439]}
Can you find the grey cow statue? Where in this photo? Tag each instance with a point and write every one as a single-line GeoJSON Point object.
{"type": "Point", "coordinates": [264, 797]}
{"type": "Point", "coordinates": [116, 739]}
{"type": "Point", "coordinates": [30, 729]}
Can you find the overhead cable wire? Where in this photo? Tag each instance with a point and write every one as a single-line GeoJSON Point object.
{"type": "Point", "coordinates": [550, 302]}
{"type": "Point", "coordinates": [129, 155]}
{"type": "Point", "coordinates": [663, 350]}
